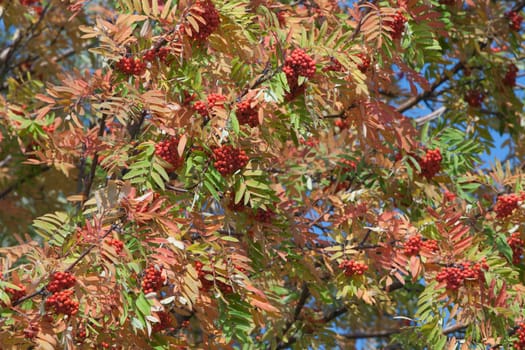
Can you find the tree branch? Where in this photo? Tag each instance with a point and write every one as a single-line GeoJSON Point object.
{"type": "Point", "coordinates": [431, 116]}
{"type": "Point", "coordinates": [94, 163]}
{"type": "Point", "coordinates": [411, 102]}
{"type": "Point", "coordinates": [305, 293]}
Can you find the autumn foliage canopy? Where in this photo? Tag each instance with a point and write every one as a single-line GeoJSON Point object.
{"type": "Point", "coordinates": [260, 174]}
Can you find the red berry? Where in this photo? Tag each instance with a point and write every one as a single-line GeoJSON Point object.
{"type": "Point", "coordinates": [116, 243]}
{"type": "Point", "coordinates": [264, 216]}
{"type": "Point", "coordinates": [60, 281]}
{"type": "Point", "coordinates": [131, 66]}
{"type": "Point", "coordinates": [334, 66]}
{"type": "Point", "coordinates": [247, 113]}
{"type": "Point", "coordinates": [48, 128]}
{"type": "Point", "coordinates": [519, 344]}
{"type": "Point", "coordinates": [474, 98]}
{"type": "Point", "coordinates": [298, 63]}
{"type": "Point", "coordinates": [342, 123]}
{"type": "Point", "coordinates": [449, 196]}
{"type": "Point", "coordinates": [365, 62]}
{"type": "Point", "coordinates": [455, 276]}
{"type": "Point", "coordinates": [430, 164]}
{"type": "Point", "coordinates": [510, 76]}
{"type": "Point", "coordinates": [413, 245]}
{"type": "Point", "coordinates": [31, 331]}
{"type": "Point", "coordinates": [516, 244]}
{"type": "Point", "coordinates": [207, 11]}
{"type": "Point", "coordinates": [506, 204]}
{"type": "Point", "coordinates": [201, 108]}
{"type": "Point", "coordinates": [431, 245]}
{"type": "Point", "coordinates": [212, 101]}
{"type": "Point", "coordinates": [168, 150]}
{"type": "Point", "coordinates": [228, 159]}
{"type": "Point", "coordinates": [61, 303]}
{"type": "Point", "coordinates": [161, 53]}
{"type": "Point", "coordinates": [16, 294]}
{"type": "Point", "coordinates": [165, 321]}
{"type": "Point", "coordinates": [353, 268]}
{"type": "Point", "coordinates": [281, 17]}
{"type": "Point", "coordinates": [397, 24]}
{"type": "Point", "coordinates": [515, 20]}
{"type": "Point", "coordinates": [153, 279]}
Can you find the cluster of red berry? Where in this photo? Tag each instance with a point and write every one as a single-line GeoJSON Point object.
{"type": "Point", "coordinates": [212, 101]}
{"type": "Point", "coordinates": [474, 98]}
{"type": "Point", "coordinates": [510, 75]}
{"type": "Point", "coordinates": [334, 66]}
{"type": "Point", "coordinates": [60, 299]}
{"type": "Point", "coordinates": [48, 128]}
{"type": "Point", "coordinates": [153, 279]}
{"type": "Point", "coordinates": [207, 284]}
{"type": "Point", "coordinates": [431, 245]}
{"type": "Point", "coordinates": [160, 53]}
{"type": "Point", "coordinates": [168, 151]}
{"type": "Point", "coordinates": [454, 276]}
{"type": "Point", "coordinates": [237, 207]}
{"type": "Point", "coordinates": [116, 243]}
{"type": "Point", "coordinates": [15, 294]}
{"type": "Point", "coordinates": [247, 113]}
{"type": "Point", "coordinates": [516, 244]}
{"type": "Point", "coordinates": [298, 63]}
{"type": "Point", "coordinates": [430, 164]}
{"type": "Point", "coordinates": [61, 302]}
{"type": "Point", "coordinates": [365, 62]}
{"type": "Point", "coordinates": [228, 159]}
{"type": "Point", "coordinates": [207, 11]}
{"type": "Point", "coordinates": [520, 333]}
{"type": "Point", "coordinates": [264, 216]}
{"type": "Point", "coordinates": [415, 243]}
{"type": "Point", "coordinates": [506, 204]}
{"type": "Point", "coordinates": [60, 281]}
{"type": "Point", "coordinates": [31, 331]}
{"type": "Point", "coordinates": [131, 66]}
{"type": "Point", "coordinates": [397, 23]}
{"type": "Point", "coordinates": [80, 334]}
{"type": "Point", "coordinates": [165, 321]}
{"type": "Point", "coordinates": [310, 142]}
{"type": "Point", "coordinates": [353, 268]}
{"type": "Point", "coordinates": [515, 20]}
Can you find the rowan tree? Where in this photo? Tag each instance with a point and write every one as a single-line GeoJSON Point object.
{"type": "Point", "coordinates": [261, 174]}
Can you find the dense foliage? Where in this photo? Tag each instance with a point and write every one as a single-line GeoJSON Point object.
{"type": "Point", "coordinates": [261, 174]}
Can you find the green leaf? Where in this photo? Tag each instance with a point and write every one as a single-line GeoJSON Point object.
{"type": "Point", "coordinates": [143, 305]}
{"type": "Point", "coordinates": [503, 246]}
